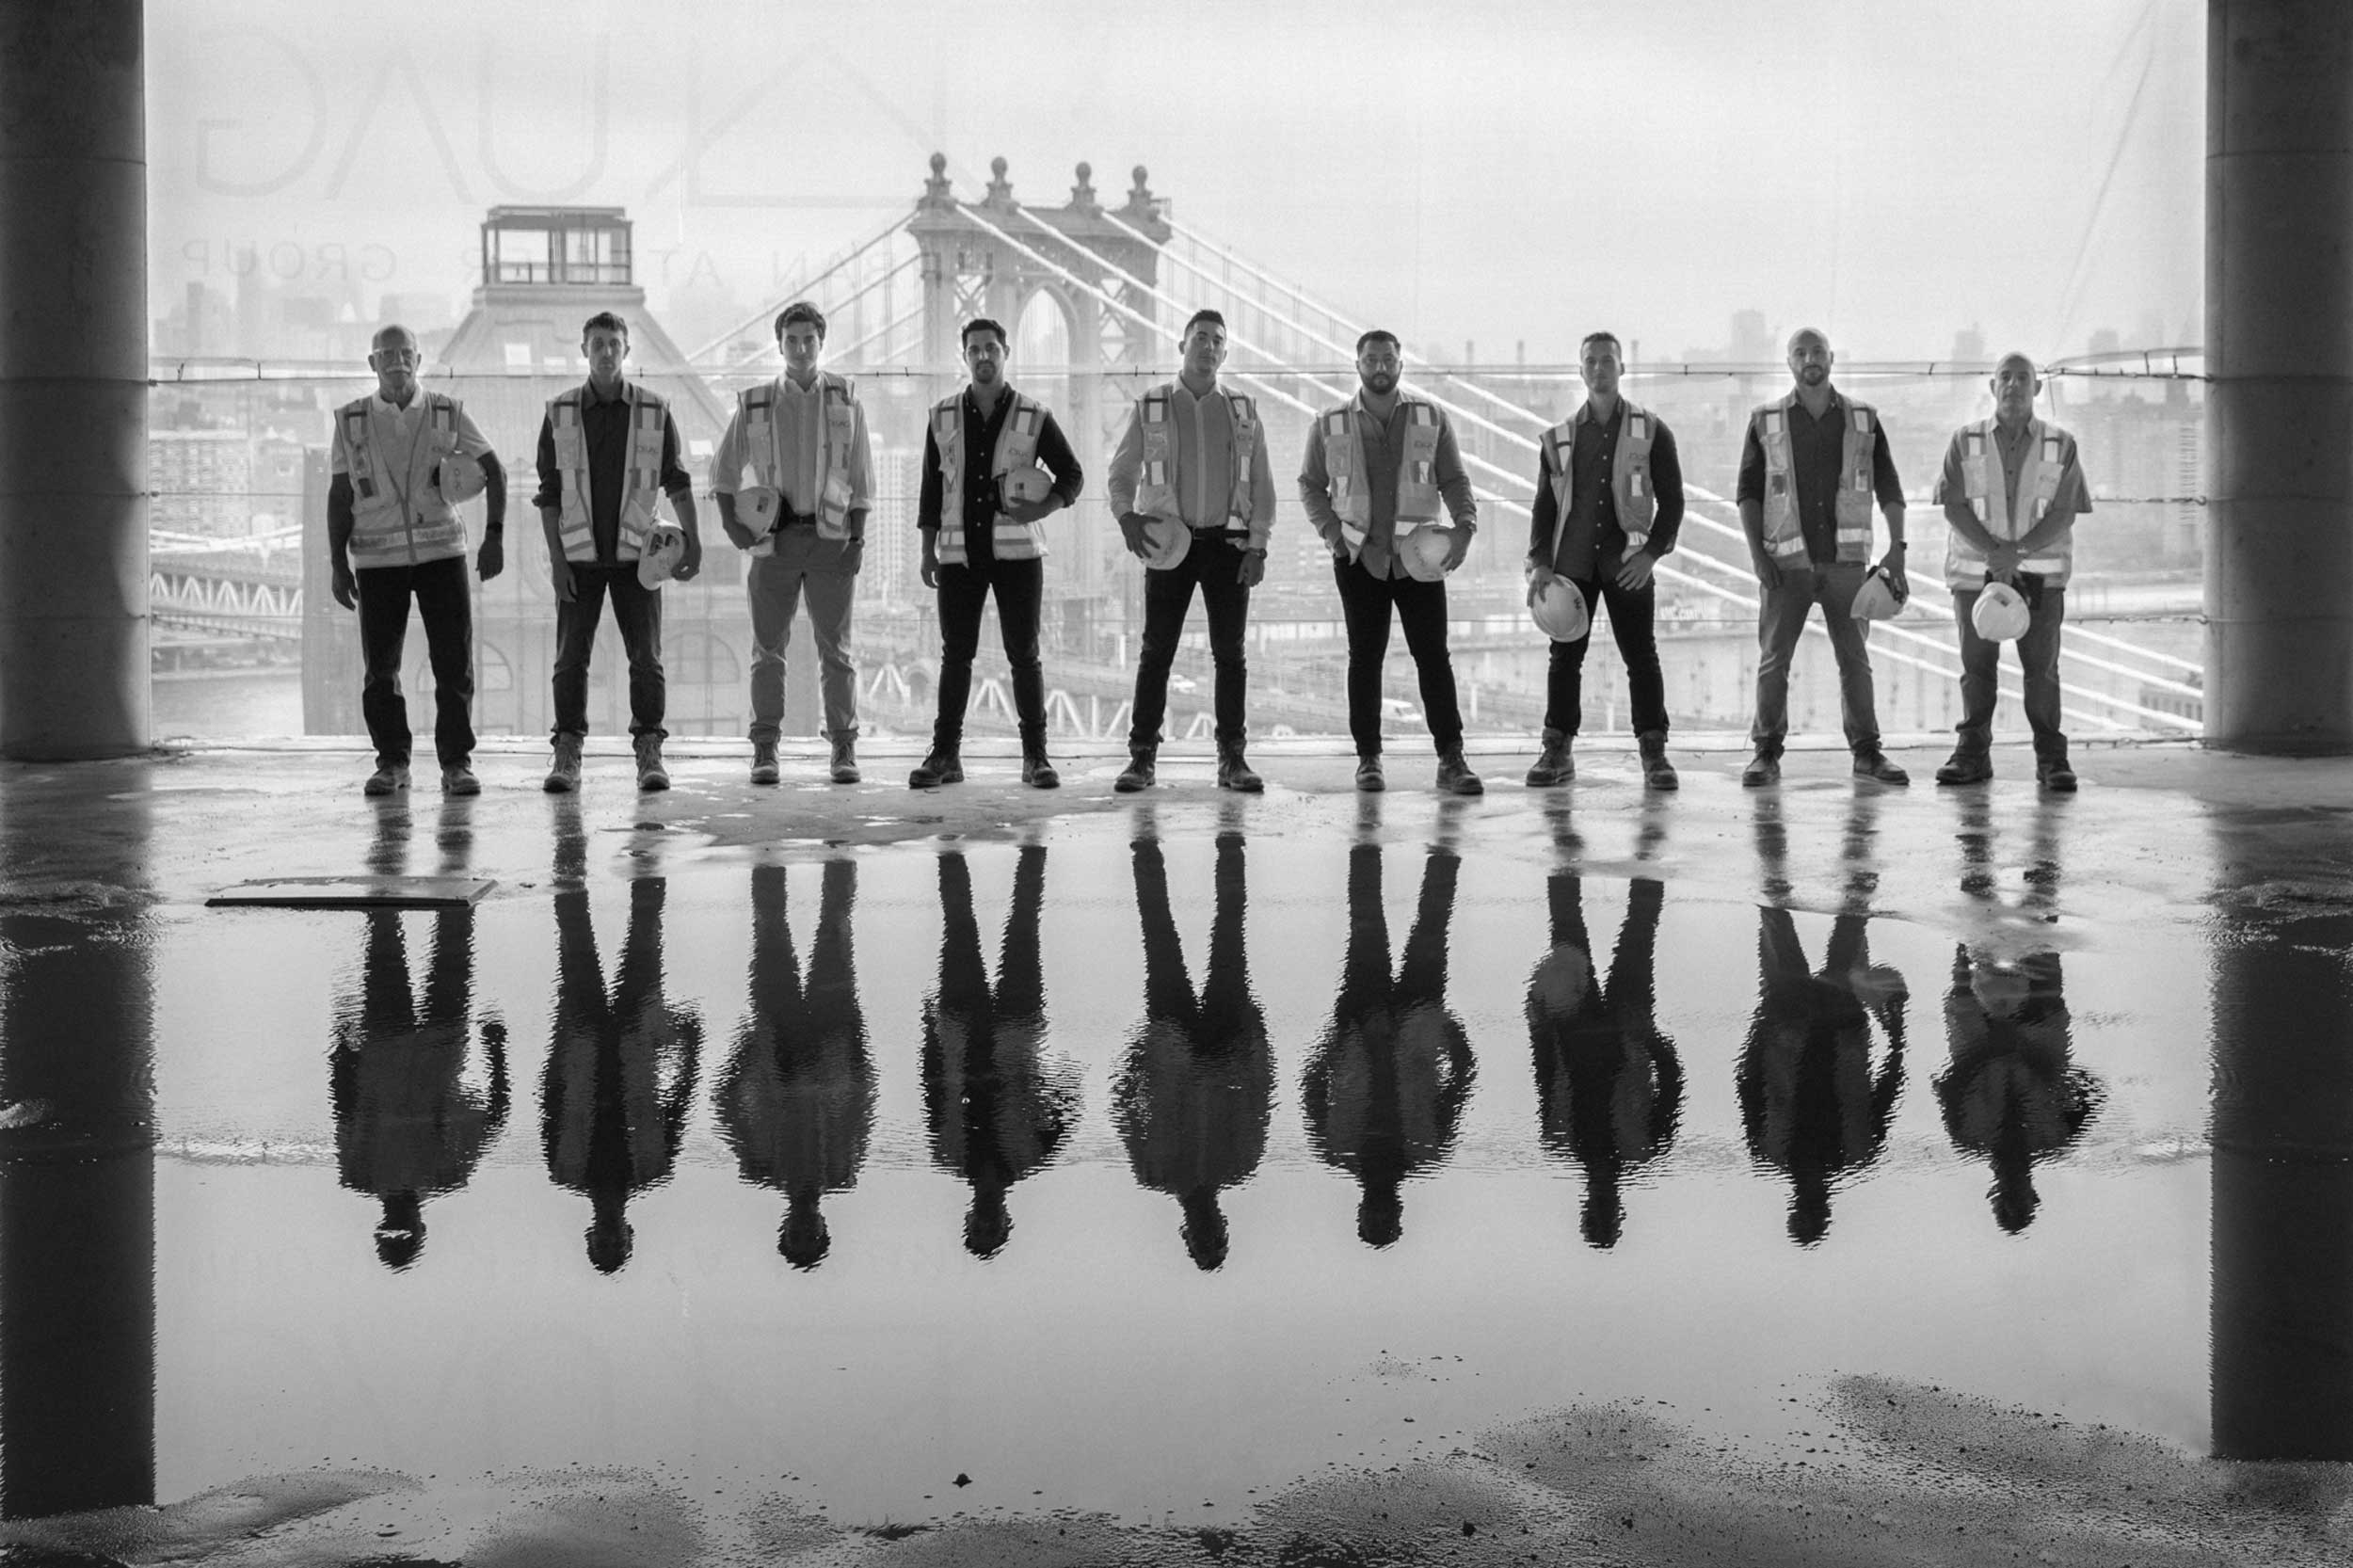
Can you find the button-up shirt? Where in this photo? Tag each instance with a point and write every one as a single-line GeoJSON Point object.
{"type": "Point", "coordinates": [1384, 443]}
{"type": "Point", "coordinates": [1591, 539]}
{"type": "Point", "coordinates": [797, 430]}
{"type": "Point", "coordinates": [1202, 430]}
{"type": "Point", "coordinates": [1818, 467]}
{"type": "Point", "coordinates": [604, 433]}
{"type": "Point", "coordinates": [982, 500]}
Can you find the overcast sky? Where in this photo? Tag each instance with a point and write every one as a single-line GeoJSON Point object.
{"type": "Point", "coordinates": [1488, 172]}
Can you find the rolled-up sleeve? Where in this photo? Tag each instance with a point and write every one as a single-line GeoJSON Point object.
{"type": "Point", "coordinates": [1454, 484]}
{"type": "Point", "coordinates": [1127, 465]}
{"type": "Point", "coordinates": [1262, 496]}
{"type": "Point", "coordinates": [1315, 488]}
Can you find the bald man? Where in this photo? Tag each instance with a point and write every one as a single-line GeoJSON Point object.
{"type": "Point", "coordinates": [1811, 464]}
{"type": "Point", "coordinates": [2011, 488]}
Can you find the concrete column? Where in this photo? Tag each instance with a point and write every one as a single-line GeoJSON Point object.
{"type": "Point", "coordinates": [2280, 350]}
{"type": "Point", "coordinates": [73, 572]}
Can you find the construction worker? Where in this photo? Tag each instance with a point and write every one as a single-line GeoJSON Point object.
{"type": "Point", "coordinates": [606, 451]}
{"type": "Point", "coordinates": [392, 533]}
{"type": "Point", "coordinates": [1376, 469]}
{"type": "Point", "coordinates": [804, 437]}
{"type": "Point", "coordinates": [1810, 467]}
{"type": "Point", "coordinates": [2011, 488]}
{"type": "Point", "coordinates": [1194, 455]}
{"type": "Point", "coordinates": [1609, 504]}
{"type": "Point", "coordinates": [995, 465]}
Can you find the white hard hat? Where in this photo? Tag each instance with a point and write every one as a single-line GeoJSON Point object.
{"type": "Point", "coordinates": [757, 507]}
{"type": "Point", "coordinates": [1166, 542]}
{"type": "Point", "coordinates": [460, 477]}
{"type": "Point", "coordinates": [1030, 483]}
{"type": "Point", "coordinates": [1876, 599]}
{"type": "Point", "coordinates": [664, 550]}
{"type": "Point", "coordinates": [1559, 611]}
{"type": "Point", "coordinates": [1424, 552]}
{"type": "Point", "coordinates": [2001, 614]}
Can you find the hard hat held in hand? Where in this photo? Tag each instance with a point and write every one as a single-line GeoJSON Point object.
{"type": "Point", "coordinates": [1024, 485]}
{"type": "Point", "coordinates": [460, 478]}
{"type": "Point", "coordinates": [1424, 552]}
{"type": "Point", "coordinates": [664, 550]}
{"type": "Point", "coordinates": [758, 507]}
{"type": "Point", "coordinates": [1559, 610]}
{"type": "Point", "coordinates": [1876, 599]}
{"type": "Point", "coordinates": [2001, 614]}
{"type": "Point", "coordinates": [1166, 542]}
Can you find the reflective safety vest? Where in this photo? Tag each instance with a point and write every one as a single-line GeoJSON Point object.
{"type": "Point", "coordinates": [1785, 538]}
{"type": "Point", "coordinates": [1156, 487]}
{"type": "Point", "coordinates": [398, 518]}
{"type": "Point", "coordinates": [1629, 472]}
{"type": "Point", "coordinates": [1016, 447]}
{"type": "Point", "coordinates": [1417, 499]}
{"type": "Point", "coordinates": [1986, 488]}
{"type": "Point", "coordinates": [641, 477]}
{"type": "Point", "coordinates": [840, 425]}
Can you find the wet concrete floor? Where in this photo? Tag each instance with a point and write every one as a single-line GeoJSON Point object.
{"type": "Point", "coordinates": [817, 1174]}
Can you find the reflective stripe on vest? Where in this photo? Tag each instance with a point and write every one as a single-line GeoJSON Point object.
{"type": "Point", "coordinates": [1629, 472]}
{"type": "Point", "coordinates": [401, 520]}
{"type": "Point", "coordinates": [1784, 537]}
{"type": "Point", "coordinates": [641, 477]}
{"type": "Point", "coordinates": [837, 440]}
{"type": "Point", "coordinates": [1417, 499]}
{"type": "Point", "coordinates": [1987, 490]}
{"type": "Point", "coordinates": [1156, 487]}
{"type": "Point", "coordinates": [1016, 447]}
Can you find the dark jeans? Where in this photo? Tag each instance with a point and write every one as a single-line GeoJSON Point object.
{"type": "Point", "coordinates": [964, 591]}
{"type": "Point", "coordinates": [1215, 564]}
{"type": "Point", "coordinates": [1365, 605]}
{"type": "Point", "coordinates": [445, 604]}
{"type": "Point", "coordinates": [1631, 622]}
{"type": "Point", "coordinates": [1781, 621]}
{"type": "Point", "coordinates": [2038, 660]}
{"type": "Point", "coordinates": [637, 610]}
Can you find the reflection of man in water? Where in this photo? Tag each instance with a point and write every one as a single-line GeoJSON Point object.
{"type": "Point", "coordinates": [406, 1124]}
{"type": "Point", "coordinates": [1198, 1089]}
{"type": "Point", "coordinates": [1389, 1078]}
{"type": "Point", "coordinates": [1810, 1103]}
{"type": "Point", "coordinates": [609, 1119]}
{"type": "Point", "coordinates": [797, 1099]}
{"type": "Point", "coordinates": [996, 1108]}
{"type": "Point", "coordinates": [1608, 1085]}
{"type": "Point", "coordinates": [2010, 1092]}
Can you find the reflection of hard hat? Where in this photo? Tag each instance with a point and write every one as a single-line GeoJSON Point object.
{"type": "Point", "coordinates": [1876, 599]}
{"type": "Point", "coordinates": [1026, 483]}
{"type": "Point", "coordinates": [1559, 611]}
{"type": "Point", "coordinates": [1424, 552]}
{"type": "Point", "coordinates": [664, 550]}
{"type": "Point", "coordinates": [1166, 541]}
{"type": "Point", "coordinates": [2001, 614]}
{"type": "Point", "coordinates": [1563, 977]}
{"type": "Point", "coordinates": [460, 478]}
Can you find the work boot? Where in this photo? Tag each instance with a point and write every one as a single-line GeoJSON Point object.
{"type": "Point", "coordinates": [1234, 772]}
{"type": "Point", "coordinates": [1455, 776]}
{"type": "Point", "coordinates": [2053, 775]}
{"type": "Point", "coordinates": [1966, 765]}
{"type": "Point", "coordinates": [1368, 774]}
{"type": "Point", "coordinates": [1139, 774]}
{"type": "Point", "coordinates": [1036, 772]}
{"type": "Point", "coordinates": [458, 779]}
{"type": "Point", "coordinates": [563, 773]}
{"type": "Point", "coordinates": [943, 766]}
{"type": "Point", "coordinates": [1762, 769]}
{"type": "Point", "coordinates": [845, 759]}
{"type": "Point", "coordinates": [1657, 773]}
{"type": "Point", "coordinates": [1872, 764]}
{"type": "Point", "coordinates": [764, 769]}
{"type": "Point", "coordinates": [1553, 763]}
{"type": "Point", "coordinates": [650, 775]}
{"type": "Point", "coordinates": [388, 777]}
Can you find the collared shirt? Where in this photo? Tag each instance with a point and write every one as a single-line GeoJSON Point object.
{"type": "Point", "coordinates": [604, 433]}
{"type": "Point", "coordinates": [1384, 450]}
{"type": "Point", "coordinates": [2072, 498]}
{"type": "Point", "coordinates": [982, 501]}
{"type": "Point", "coordinates": [1818, 467]}
{"type": "Point", "coordinates": [1593, 536]}
{"type": "Point", "coordinates": [1203, 442]}
{"type": "Point", "coordinates": [797, 428]}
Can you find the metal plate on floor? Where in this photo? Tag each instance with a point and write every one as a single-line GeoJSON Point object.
{"type": "Point", "coordinates": [355, 892]}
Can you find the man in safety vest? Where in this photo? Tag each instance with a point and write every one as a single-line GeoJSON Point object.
{"type": "Point", "coordinates": [803, 436]}
{"type": "Point", "coordinates": [394, 531]}
{"type": "Point", "coordinates": [1811, 465]}
{"type": "Point", "coordinates": [2011, 490]}
{"type": "Point", "coordinates": [1194, 455]}
{"type": "Point", "coordinates": [1609, 504]}
{"type": "Point", "coordinates": [608, 451]}
{"type": "Point", "coordinates": [995, 467]}
{"type": "Point", "coordinates": [1377, 468]}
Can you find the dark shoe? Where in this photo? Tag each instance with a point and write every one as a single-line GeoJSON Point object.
{"type": "Point", "coordinates": [458, 779]}
{"type": "Point", "coordinates": [764, 769]}
{"type": "Point", "coordinates": [943, 766]}
{"type": "Point", "coordinates": [388, 777]}
{"type": "Point", "coordinates": [563, 773]}
{"type": "Point", "coordinates": [1965, 766]}
{"type": "Point", "coordinates": [2056, 776]}
{"type": "Point", "coordinates": [1455, 776]}
{"type": "Point", "coordinates": [1369, 774]}
{"type": "Point", "coordinates": [1553, 763]}
{"type": "Point", "coordinates": [1139, 774]}
{"type": "Point", "coordinates": [651, 776]}
{"type": "Point", "coordinates": [1762, 769]}
{"type": "Point", "coordinates": [1037, 772]}
{"type": "Point", "coordinates": [1234, 773]}
{"type": "Point", "coordinates": [845, 760]}
{"type": "Point", "coordinates": [1657, 773]}
{"type": "Point", "coordinates": [1873, 764]}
